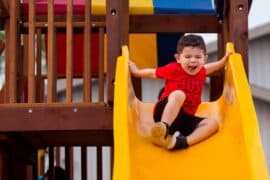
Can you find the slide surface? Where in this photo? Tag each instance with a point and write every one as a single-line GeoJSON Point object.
{"type": "Point", "coordinates": [234, 153]}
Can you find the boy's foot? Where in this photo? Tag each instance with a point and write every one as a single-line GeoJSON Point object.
{"type": "Point", "coordinates": [159, 133]}
{"type": "Point", "coordinates": [177, 141]}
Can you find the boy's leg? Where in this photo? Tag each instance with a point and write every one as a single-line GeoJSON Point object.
{"type": "Point", "coordinates": [173, 106]}
{"type": "Point", "coordinates": [205, 128]}
{"type": "Point", "coordinates": [160, 130]}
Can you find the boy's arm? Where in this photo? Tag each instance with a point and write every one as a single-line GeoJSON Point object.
{"type": "Point", "coordinates": [142, 73]}
{"type": "Point", "coordinates": [214, 66]}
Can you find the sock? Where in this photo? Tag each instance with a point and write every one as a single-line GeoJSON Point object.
{"type": "Point", "coordinates": [167, 128]}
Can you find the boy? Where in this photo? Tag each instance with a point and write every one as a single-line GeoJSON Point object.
{"type": "Point", "coordinates": [184, 80]}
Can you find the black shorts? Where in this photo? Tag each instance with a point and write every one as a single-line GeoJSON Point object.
{"type": "Point", "coordinates": [185, 123]}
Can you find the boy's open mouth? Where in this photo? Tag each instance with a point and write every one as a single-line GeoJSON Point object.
{"type": "Point", "coordinates": [192, 67]}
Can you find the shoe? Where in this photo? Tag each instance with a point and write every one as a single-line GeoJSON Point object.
{"type": "Point", "coordinates": [177, 141]}
{"type": "Point", "coordinates": [159, 133]}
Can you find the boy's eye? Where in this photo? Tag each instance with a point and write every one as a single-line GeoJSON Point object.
{"type": "Point", "coordinates": [198, 57]}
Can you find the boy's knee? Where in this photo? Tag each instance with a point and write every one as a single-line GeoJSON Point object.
{"type": "Point", "coordinates": [214, 123]}
{"type": "Point", "coordinates": [178, 95]}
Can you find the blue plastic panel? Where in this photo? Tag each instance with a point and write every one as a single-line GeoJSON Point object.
{"type": "Point", "coordinates": [184, 6]}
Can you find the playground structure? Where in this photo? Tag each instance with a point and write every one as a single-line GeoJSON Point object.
{"type": "Point", "coordinates": [235, 152]}
{"type": "Point", "coordinates": [31, 116]}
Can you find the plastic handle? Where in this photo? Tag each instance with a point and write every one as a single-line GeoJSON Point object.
{"type": "Point", "coordinates": [230, 47]}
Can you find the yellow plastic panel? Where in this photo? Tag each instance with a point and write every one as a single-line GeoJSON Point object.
{"type": "Point", "coordinates": [141, 7]}
{"type": "Point", "coordinates": [140, 52]}
{"type": "Point", "coordinates": [234, 153]}
{"type": "Point", "coordinates": [98, 6]}
{"type": "Point", "coordinates": [136, 6]}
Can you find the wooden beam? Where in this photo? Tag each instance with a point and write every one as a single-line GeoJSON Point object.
{"type": "Point", "coordinates": [62, 18]}
{"type": "Point", "coordinates": [73, 138]}
{"type": "Point", "coordinates": [145, 23]}
{"type": "Point", "coordinates": [55, 117]}
{"type": "Point", "coordinates": [174, 23]}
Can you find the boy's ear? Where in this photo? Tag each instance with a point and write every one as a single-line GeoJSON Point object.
{"type": "Point", "coordinates": [205, 58]}
{"type": "Point", "coordinates": [177, 57]}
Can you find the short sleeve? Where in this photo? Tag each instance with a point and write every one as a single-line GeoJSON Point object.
{"type": "Point", "coordinates": [165, 72]}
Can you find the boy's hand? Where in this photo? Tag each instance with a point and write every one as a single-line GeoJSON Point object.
{"type": "Point", "coordinates": [132, 67]}
{"type": "Point", "coordinates": [228, 53]}
{"type": "Point", "coordinates": [142, 73]}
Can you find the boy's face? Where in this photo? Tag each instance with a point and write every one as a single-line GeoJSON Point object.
{"type": "Point", "coordinates": [191, 59]}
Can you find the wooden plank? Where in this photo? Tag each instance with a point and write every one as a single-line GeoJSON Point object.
{"type": "Point", "coordinates": [23, 70]}
{"type": "Point", "coordinates": [2, 46]}
{"type": "Point", "coordinates": [13, 46]}
{"type": "Point", "coordinates": [173, 23]}
{"type": "Point", "coordinates": [72, 138]}
{"type": "Point", "coordinates": [151, 23]}
{"type": "Point", "coordinates": [61, 18]}
{"type": "Point", "coordinates": [4, 8]}
{"type": "Point", "coordinates": [84, 162]}
{"type": "Point", "coordinates": [99, 163]}
{"type": "Point", "coordinates": [51, 163]}
{"type": "Point", "coordinates": [69, 51]}
{"type": "Point", "coordinates": [6, 90]}
{"type": "Point", "coordinates": [87, 92]}
{"type": "Point", "coordinates": [29, 172]}
{"type": "Point", "coordinates": [39, 80]}
{"type": "Point", "coordinates": [51, 71]}
{"type": "Point", "coordinates": [55, 117]}
{"type": "Point", "coordinates": [31, 53]}
{"type": "Point", "coordinates": [87, 81]}
{"type": "Point", "coordinates": [124, 26]}
{"type": "Point", "coordinates": [101, 65]}
{"type": "Point", "coordinates": [69, 162]}
{"type": "Point", "coordinates": [57, 156]}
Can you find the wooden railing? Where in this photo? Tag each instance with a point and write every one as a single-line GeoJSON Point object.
{"type": "Point", "coordinates": [27, 87]}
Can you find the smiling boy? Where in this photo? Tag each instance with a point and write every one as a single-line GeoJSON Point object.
{"type": "Point", "coordinates": [174, 113]}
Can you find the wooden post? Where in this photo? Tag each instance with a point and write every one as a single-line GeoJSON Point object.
{"type": "Point", "coordinates": [69, 51]}
{"type": "Point", "coordinates": [101, 65]}
{"type": "Point", "coordinates": [6, 90]}
{"type": "Point", "coordinates": [87, 92]}
{"type": "Point", "coordinates": [14, 42]}
{"type": "Point", "coordinates": [51, 74]}
{"type": "Point", "coordinates": [84, 162]}
{"type": "Point", "coordinates": [31, 53]}
{"type": "Point", "coordinates": [117, 24]}
{"type": "Point", "coordinates": [69, 76]}
{"type": "Point", "coordinates": [39, 79]}
{"type": "Point", "coordinates": [238, 28]}
{"type": "Point", "coordinates": [51, 71]}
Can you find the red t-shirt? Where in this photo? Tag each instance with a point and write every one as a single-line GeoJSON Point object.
{"type": "Point", "coordinates": [177, 79]}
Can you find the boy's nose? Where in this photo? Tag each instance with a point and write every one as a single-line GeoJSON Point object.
{"type": "Point", "coordinates": [192, 59]}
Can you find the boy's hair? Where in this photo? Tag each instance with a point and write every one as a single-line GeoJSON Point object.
{"type": "Point", "coordinates": [191, 40]}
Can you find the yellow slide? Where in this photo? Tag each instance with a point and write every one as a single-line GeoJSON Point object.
{"type": "Point", "coordinates": [234, 153]}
